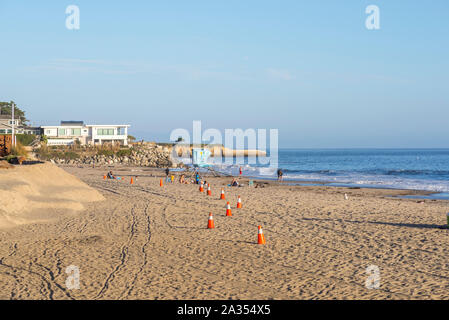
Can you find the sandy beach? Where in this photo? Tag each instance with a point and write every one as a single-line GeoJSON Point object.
{"type": "Point", "coordinates": [150, 242]}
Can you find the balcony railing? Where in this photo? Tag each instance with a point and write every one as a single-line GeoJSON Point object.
{"type": "Point", "coordinates": [110, 137]}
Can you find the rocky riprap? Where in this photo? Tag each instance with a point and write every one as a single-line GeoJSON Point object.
{"type": "Point", "coordinates": [144, 156]}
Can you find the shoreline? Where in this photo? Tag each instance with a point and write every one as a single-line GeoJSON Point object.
{"type": "Point", "coordinates": [395, 192]}
{"type": "Point", "coordinates": [332, 184]}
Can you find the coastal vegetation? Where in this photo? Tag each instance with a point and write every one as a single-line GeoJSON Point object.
{"type": "Point", "coordinates": [17, 151]}
{"type": "Point", "coordinates": [25, 139]}
{"type": "Point", "coordinates": [148, 155]}
{"type": "Point", "coordinates": [131, 138]}
{"type": "Point", "coordinates": [6, 108]}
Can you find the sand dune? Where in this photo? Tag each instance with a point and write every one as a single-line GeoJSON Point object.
{"type": "Point", "coordinates": [33, 193]}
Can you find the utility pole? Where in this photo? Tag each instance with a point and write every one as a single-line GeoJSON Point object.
{"type": "Point", "coordinates": [13, 128]}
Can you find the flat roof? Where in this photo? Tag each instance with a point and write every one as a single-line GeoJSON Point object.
{"type": "Point", "coordinates": [71, 122]}
{"type": "Point", "coordinates": [89, 125]}
{"type": "Point", "coordinates": [65, 127]}
{"type": "Point", "coordinates": [108, 125]}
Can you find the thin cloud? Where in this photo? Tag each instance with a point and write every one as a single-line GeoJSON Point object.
{"type": "Point", "coordinates": [281, 74]}
{"type": "Point", "coordinates": [126, 67]}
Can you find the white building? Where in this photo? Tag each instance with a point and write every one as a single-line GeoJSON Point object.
{"type": "Point", "coordinates": [6, 123]}
{"type": "Point", "coordinates": [70, 131]}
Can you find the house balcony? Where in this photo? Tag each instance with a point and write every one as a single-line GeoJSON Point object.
{"type": "Point", "coordinates": [110, 137]}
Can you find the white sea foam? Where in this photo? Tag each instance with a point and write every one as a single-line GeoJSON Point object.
{"type": "Point", "coordinates": [382, 181]}
{"type": "Point", "coordinates": [338, 171]}
{"type": "Point", "coordinates": [376, 181]}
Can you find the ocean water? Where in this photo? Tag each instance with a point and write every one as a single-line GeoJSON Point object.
{"type": "Point", "coordinates": [415, 169]}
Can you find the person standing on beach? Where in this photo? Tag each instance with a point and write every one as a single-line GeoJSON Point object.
{"type": "Point", "coordinates": [280, 173]}
{"type": "Point", "coordinates": [197, 178]}
{"type": "Point", "coordinates": [240, 170]}
{"type": "Point", "coordinates": [167, 173]}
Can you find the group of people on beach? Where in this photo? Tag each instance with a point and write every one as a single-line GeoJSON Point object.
{"type": "Point", "coordinates": [197, 178]}
{"type": "Point", "coordinates": [182, 178]}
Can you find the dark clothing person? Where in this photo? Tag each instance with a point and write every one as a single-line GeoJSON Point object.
{"type": "Point", "coordinates": [167, 172]}
{"type": "Point", "coordinates": [280, 173]}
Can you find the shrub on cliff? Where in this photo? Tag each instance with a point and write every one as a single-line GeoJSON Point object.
{"type": "Point", "coordinates": [106, 153]}
{"type": "Point", "coordinates": [19, 150]}
{"type": "Point", "coordinates": [70, 155]}
{"type": "Point", "coordinates": [25, 139]}
{"type": "Point", "coordinates": [123, 153]}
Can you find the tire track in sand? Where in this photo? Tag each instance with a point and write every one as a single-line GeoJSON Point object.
{"type": "Point", "coordinates": [123, 255]}
{"type": "Point", "coordinates": [147, 222]}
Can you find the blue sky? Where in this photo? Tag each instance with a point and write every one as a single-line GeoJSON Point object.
{"type": "Point", "coordinates": [308, 68]}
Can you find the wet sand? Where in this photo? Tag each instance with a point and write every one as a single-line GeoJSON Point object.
{"type": "Point", "coordinates": [150, 242]}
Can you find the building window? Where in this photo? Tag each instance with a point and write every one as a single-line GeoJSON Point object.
{"type": "Point", "coordinates": [61, 132]}
{"type": "Point", "coordinates": [76, 132]}
{"type": "Point", "coordinates": [105, 132]}
{"type": "Point", "coordinates": [9, 130]}
{"type": "Point", "coordinates": [2, 131]}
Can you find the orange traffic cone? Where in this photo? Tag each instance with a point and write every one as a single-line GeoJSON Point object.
{"type": "Point", "coordinates": [201, 187]}
{"type": "Point", "coordinates": [161, 183]}
{"type": "Point", "coordinates": [239, 203]}
{"type": "Point", "coordinates": [132, 180]}
{"type": "Point", "coordinates": [104, 177]}
{"type": "Point", "coordinates": [228, 210]}
{"type": "Point", "coordinates": [260, 236]}
{"type": "Point", "coordinates": [222, 197]}
{"type": "Point", "coordinates": [209, 192]}
{"type": "Point", "coordinates": [211, 224]}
